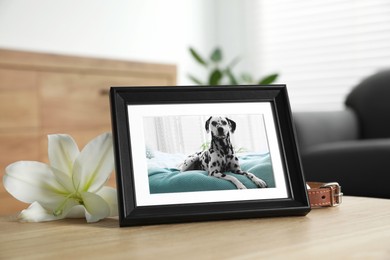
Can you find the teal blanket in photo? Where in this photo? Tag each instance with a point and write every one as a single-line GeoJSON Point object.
{"type": "Point", "coordinates": [168, 180]}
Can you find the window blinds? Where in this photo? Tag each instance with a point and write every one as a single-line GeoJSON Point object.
{"type": "Point", "coordinates": [320, 48]}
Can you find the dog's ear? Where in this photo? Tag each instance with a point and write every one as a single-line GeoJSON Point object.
{"type": "Point", "coordinates": [207, 125]}
{"type": "Point", "coordinates": [232, 125]}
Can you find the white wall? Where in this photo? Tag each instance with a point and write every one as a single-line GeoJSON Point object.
{"type": "Point", "coordinates": [235, 35]}
{"type": "Point", "coordinates": [162, 30]}
{"type": "Point", "coordinates": [143, 30]}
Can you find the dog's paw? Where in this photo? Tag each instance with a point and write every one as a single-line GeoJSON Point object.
{"type": "Point", "coordinates": [241, 186]}
{"type": "Point", "coordinates": [260, 183]}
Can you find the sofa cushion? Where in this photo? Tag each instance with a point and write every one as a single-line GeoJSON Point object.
{"type": "Point", "coordinates": [360, 167]}
{"type": "Point", "coordinates": [371, 101]}
{"type": "Point", "coordinates": [315, 128]}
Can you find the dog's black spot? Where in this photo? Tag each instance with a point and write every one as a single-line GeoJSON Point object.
{"type": "Point", "coordinates": [213, 172]}
{"type": "Point", "coordinates": [214, 164]}
{"type": "Point", "coordinates": [198, 165]}
{"type": "Point", "coordinates": [235, 166]}
{"type": "Point", "coordinates": [223, 175]}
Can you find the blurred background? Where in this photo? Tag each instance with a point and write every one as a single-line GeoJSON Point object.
{"type": "Point", "coordinates": [320, 49]}
{"type": "Point", "coordinates": [187, 134]}
{"type": "Point", "coordinates": [58, 59]}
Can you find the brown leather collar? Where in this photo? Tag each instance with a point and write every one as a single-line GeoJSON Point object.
{"type": "Point", "coordinates": [324, 194]}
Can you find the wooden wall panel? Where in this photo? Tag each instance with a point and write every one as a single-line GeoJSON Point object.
{"type": "Point", "coordinates": [43, 94]}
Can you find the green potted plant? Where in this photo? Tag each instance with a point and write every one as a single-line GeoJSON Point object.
{"type": "Point", "coordinates": [218, 75]}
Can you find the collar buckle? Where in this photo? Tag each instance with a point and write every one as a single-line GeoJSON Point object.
{"type": "Point", "coordinates": [336, 194]}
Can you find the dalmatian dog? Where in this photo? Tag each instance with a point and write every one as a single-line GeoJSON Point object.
{"type": "Point", "coordinates": [220, 157]}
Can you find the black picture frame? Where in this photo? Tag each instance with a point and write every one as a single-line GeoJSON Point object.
{"type": "Point", "coordinates": [131, 212]}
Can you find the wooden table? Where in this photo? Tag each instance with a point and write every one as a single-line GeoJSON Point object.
{"type": "Point", "coordinates": [359, 228]}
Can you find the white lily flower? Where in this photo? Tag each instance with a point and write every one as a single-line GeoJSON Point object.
{"type": "Point", "coordinates": [71, 186]}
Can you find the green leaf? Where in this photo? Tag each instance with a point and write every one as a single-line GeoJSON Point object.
{"type": "Point", "coordinates": [197, 57]}
{"type": "Point", "coordinates": [247, 78]}
{"type": "Point", "coordinates": [216, 55]}
{"type": "Point", "coordinates": [234, 62]}
{"type": "Point", "coordinates": [240, 150]}
{"type": "Point", "coordinates": [205, 146]}
{"type": "Point", "coordinates": [215, 77]}
{"type": "Point", "coordinates": [195, 80]}
{"type": "Point", "coordinates": [268, 79]}
{"type": "Point", "coordinates": [232, 78]}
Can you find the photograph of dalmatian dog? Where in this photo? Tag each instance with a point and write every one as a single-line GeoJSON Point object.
{"type": "Point", "coordinates": [220, 156]}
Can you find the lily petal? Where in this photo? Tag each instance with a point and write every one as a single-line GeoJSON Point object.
{"type": "Point", "coordinates": [94, 164]}
{"type": "Point", "coordinates": [77, 211]}
{"type": "Point", "coordinates": [64, 179]}
{"type": "Point", "coordinates": [30, 181]}
{"type": "Point", "coordinates": [110, 196]}
{"type": "Point", "coordinates": [36, 213]}
{"type": "Point", "coordinates": [63, 151]}
{"type": "Point", "coordinates": [96, 207]}
{"type": "Point", "coordinates": [65, 207]}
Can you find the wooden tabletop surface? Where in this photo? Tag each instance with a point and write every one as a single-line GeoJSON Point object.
{"type": "Point", "coordinates": [359, 228]}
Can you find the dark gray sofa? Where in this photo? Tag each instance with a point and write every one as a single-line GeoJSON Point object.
{"type": "Point", "coordinates": [352, 146]}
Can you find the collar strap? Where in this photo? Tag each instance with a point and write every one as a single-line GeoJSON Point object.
{"type": "Point", "coordinates": [324, 194]}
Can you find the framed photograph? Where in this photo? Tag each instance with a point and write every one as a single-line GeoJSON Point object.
{"type": "Point", "coordinates": [196, 153]}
